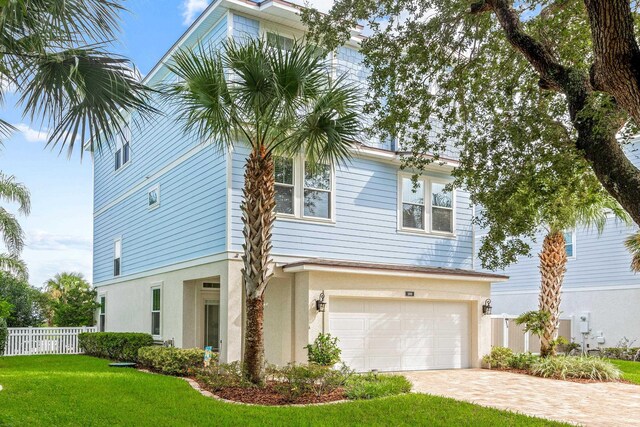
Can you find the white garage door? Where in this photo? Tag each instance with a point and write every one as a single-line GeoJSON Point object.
{"type": "Point", "coordinates": [396, 335]}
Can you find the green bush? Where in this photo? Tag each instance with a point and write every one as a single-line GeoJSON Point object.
{"type": "Point", "coordinates": [622, 353]}
{"type": "Point", "coordinates": [4, 333]}
{"type": "Point", "coordinates": [324, 351]}
{"type": "Point", "coordinates": [500, 358]}
{"type": "Point", "coordinates": [172, 361]}
{"type": "Point", "coordinates": [584, 367]}
{"type": "Point", "coordinates": [523, 361]}
{"type": "Point", "coordinates": [120, 346]}
{"type": "Point", "coordinates": [293, 381]}
{"type": "Point", "coordinates": [371, 386]}
{"type": "Point", "coordinates": [224, 375]}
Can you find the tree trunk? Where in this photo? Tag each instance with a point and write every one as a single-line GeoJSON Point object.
{"type": "Point", "coordinates": [553, 265]}
{"type": "Point", "coordinates": [258, 216]}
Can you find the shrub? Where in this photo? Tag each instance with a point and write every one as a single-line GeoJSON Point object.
{"type": "Point", "coordinates": [371, 386]}
{"type": "Point", "coordinates": [224, 375]}
{"type": "Point", "coordinates": [585, 367]}
{"type": "Point", "coordinates": [500, 358]}
{"type": "Point", "coordinates": [622, 353]}
{"type": "Point", "coordinates": [4, 333]}
{"type": "Point", "coordinates": [523, 361]}
{"type": "Point", "coordinates": [120, 346]}
{"type": "Point", "coordinates": [324, 351]}
{"type": "Point", "coordinates": [170, 360]}
{"type": "Point", "coordinates": [293, 381]}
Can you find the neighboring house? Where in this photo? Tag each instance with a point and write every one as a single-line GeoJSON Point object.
{"type": "Point", "coordinates": [394, 267]}
{"type": "Point", "coordinates": [600, 293]}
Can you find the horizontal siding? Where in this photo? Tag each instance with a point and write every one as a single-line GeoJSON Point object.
{"type": "Point", "coordinates": [366, 223]}
{"type": "Point", "coordinates": [189, 223]}
{"type": "Point", "coordinates": [601, 260]}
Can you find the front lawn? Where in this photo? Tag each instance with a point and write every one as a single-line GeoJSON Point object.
{"type": "Point", "coordinates": [82, 390]}
{"type": "Point", "coordinates": [630, 370]}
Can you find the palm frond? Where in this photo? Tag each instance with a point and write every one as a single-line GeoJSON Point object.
{"type": "Point", "coordinates": [11, 232]}
{"type": "Point", "coordinates": [15, 192]}
{"type": "Point", "coordinates": [83, 93]}
{"type": "Point", "coordinates": [632, 243]}
{"type": "Point", "coordinates": [14, 266]}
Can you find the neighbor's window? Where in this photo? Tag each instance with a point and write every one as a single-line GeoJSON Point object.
{"type": "Point", "coordinates": [317, 191]}
{"type": "Point", "coordinates": [285, 187]}
{"type": "Point", "coordinates": [426, 205]}
{"type": "Point", "coordinates": [441, 208]}
{"type": "Point", "coordinates": [155, 311]}
{"type": "Point", "coordinates": [123, 145]}
{"type": "Point", "coordinates": [117, 255]}
{"type": "Point", "coordinates": [569, 243]}
{"type": "Point", "coordinates": [412, 204]}
{"type": "Point", "coordinates": [153, 197]}
{"type": "Point", "coordinates": [281, 42]}
{"type": "Point", "coordinates": [103, 313]}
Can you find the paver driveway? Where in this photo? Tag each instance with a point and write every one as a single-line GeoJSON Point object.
{"type": "Point", "coordinates": [592, 404]}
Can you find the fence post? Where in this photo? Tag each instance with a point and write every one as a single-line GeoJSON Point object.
{"type": "Point", "coordinates": [505, 334]}
{"type": "Point", "coordinates": [30, 339]}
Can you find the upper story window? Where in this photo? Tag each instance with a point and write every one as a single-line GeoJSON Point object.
{"type": "Point", "coordinates": [281, 42]}
{"type": "Point", "coordinates": [426, 206]}
{"type": "Point", "coordinates": [285, 188]}
{"type": "Point", "coordinates": [303, 191]}
{"type": "Point", "coordinates": [153, 197]}
{"type": "Point", "coordinates": [117, 256]}
{"type": "Point", "coordinates": [123, 148]}
{"type": "Point", "coordinates": [570, 243]}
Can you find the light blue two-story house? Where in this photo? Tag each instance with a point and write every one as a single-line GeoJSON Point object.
{"type": "Point", "coordinates": [387, 270]}
{"type": "Point", "coordinates": [600, 293]}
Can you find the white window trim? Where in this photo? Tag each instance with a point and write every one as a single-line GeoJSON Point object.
{"type": "Point", "coordinates": [119, 145]}
{"type": "Point", "coordinates": [113, 258]}
{"type": "Point", "coordinates": [157, 204]}
{"type": "Point", "coordinates": [573, 243]}
{"type": "Point", "coordinates": [100, 313]}
{"type": "Point", "coordinates": [156, 285]}
{"type": "Point", "coordinates": [428, 181]}
{"type": "Point", "coordinates": [298, 196]}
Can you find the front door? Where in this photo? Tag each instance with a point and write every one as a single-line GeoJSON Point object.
{"type": "Point", "coordinates": [212, 324]}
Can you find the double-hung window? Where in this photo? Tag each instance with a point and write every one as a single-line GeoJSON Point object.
{"type": "Point", "coordinates": [570, 243]}
{"type": "Point", "coordinates": [285, 187]}
{"type": "Point", "coordinates": [426, 205]}
{"type": "Point", "coordinates": [123, 148]}
{"type": "Point", "coordinates": [117, 256]}
{"type": "Point", "coordinates": [156, 304]}
{"type": "Point", "coordinates": [317, 191]}
{"type": "Point", "coordinates": [303, 190]}
{"type": "Point", "coordinates": [103, 313]}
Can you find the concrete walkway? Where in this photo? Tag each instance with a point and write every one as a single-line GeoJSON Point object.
{"type": "Point", "coordinates": [591, 404]}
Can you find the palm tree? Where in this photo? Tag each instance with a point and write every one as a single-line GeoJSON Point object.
{"type": "Point", "coordinates": [53, 57]}
{"type": "Point", "coordinates": [12, 234]}
{"type": "Point", "coordinates": [60, 287]}
{"type": "Point", "coordinates": [588, 211]}
{"type": "Point", "coordinates": [278, 102]}
{"type": "Point", "coordinates": [633, 246]}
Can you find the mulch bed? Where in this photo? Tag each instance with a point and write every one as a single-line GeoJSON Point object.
{"type": "Point", "coordinates": [270, 396]}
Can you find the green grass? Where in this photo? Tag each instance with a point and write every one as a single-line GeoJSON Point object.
{"type": "Point", "coordinates": [630, 370]}
{"type": "Point", "coordinates": [370, 386]}
{"type": "Point", "coordinates": [81, 390]}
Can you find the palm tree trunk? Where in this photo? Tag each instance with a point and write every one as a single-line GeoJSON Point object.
{"type": "Point", "coordinates": [553, 265]}
{"type": "Point", "coordinates": [258, 216]}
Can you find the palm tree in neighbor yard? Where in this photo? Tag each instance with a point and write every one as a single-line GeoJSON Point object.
{"type": "Point", "coordinates": [278, 102]}
{"type": "Point", "coordinates": [577, 210]}
{"type": "Point", "coordinates": [12, 234]}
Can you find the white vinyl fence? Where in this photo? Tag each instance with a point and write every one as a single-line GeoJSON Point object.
{"type": "Point", "coordinates": [506, 333]}
{"type": "Point", "coordinates": [28, 341]}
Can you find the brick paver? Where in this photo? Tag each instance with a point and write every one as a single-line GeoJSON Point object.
{"type": "Point", "coordinates": [591, 404]}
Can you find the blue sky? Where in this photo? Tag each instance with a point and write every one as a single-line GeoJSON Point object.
{"type": "Point", "coordinates": [59, 229]}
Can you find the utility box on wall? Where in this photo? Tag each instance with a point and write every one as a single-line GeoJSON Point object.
{"type": "Point", "coordinates": [583, 321]}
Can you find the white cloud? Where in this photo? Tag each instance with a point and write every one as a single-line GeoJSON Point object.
{"type": "Point", "coordinates": [191, 9]}
{"type": "Point", "coordinates": [30, 134]}
{"type": "Point", "coordinates": [43, 241]}
{"type": "Point", "coordinates": [321, 5]}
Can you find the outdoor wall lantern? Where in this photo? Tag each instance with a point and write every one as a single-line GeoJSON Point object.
{"type": "Point", "coordinates": [320, 303]}
{"type": "Point", "coordinates": [486, 307]}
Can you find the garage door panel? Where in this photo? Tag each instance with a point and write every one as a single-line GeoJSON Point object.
{"type": "Point", "coordinates": [401, 335]}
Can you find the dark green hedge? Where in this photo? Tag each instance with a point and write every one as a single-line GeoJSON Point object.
{"type": "Point", "coordinates": [120, 346]}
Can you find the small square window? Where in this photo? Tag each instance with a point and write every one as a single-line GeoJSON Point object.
{"type": "Point", "coordinates": [153, 197]}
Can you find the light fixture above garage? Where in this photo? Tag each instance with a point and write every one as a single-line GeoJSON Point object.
{"type": "Point", "coordinates": [486, 307]}
{"type": "Point", "coordinates": [320, 303]}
